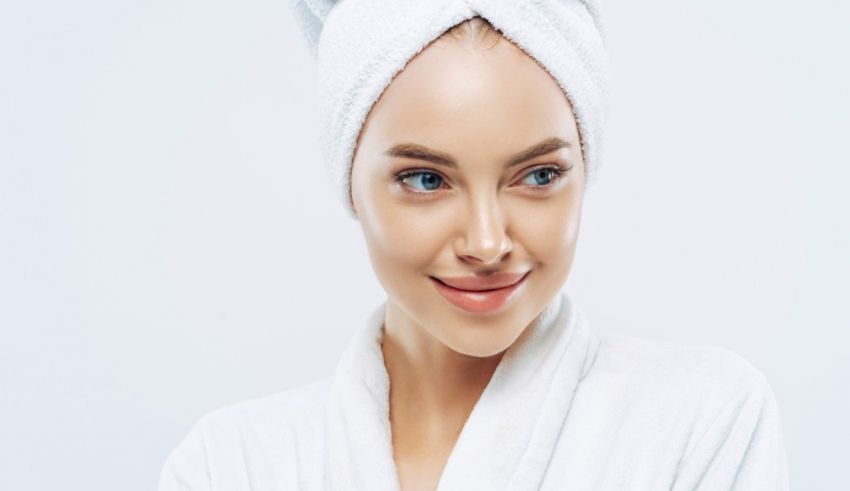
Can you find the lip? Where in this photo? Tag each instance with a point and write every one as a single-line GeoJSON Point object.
{"type": "Point", "coordinates": [481, 295]}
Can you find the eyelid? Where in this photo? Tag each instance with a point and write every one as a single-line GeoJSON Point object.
{"type": "Point", "coordinates": [414, 171]}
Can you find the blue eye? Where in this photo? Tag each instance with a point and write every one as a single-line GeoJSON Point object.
{"type": "Point", "coordinates": [545, 174]}
{"type": "Point", "coordinates": [544, 178]}
{"type": "Point", "coordinates": [429, 180]}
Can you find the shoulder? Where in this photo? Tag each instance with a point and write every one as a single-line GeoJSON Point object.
{"type": "Point", "coordinates": [274, 420]}
{"type": "Point", "coordinates": [679, 373]}
{"type": "Point", "coordinates": [266, 428]}
{"type": "Point", "coordinates": [712, 406]}
{"type": "Point", "coordinates": [295, 405]}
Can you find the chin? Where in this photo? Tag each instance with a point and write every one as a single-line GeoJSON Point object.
{"type": "Point", "coordinates": [480, 352]}
{"type": "Point", "coordinates": [482, 343]}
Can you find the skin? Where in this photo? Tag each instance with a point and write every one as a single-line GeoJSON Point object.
{"type": "Point", "coordinates": [480, 107]}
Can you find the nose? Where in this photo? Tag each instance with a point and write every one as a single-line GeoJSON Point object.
{"type": "Point", "coordinates": [484, 237]}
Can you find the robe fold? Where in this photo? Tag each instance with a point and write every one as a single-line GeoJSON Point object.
{"type": "Point", "coordinates": [565, 408]}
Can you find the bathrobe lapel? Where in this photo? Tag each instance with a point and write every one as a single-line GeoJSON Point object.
{"type": "Point", "coordinates": [509, 437]}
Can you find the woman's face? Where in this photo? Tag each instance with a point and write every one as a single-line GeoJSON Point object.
{"type": "Point", "coordinates": [444, 186]}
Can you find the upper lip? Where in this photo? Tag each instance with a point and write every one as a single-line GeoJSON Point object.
{"type": "Point", "coordinates": [482, 283]}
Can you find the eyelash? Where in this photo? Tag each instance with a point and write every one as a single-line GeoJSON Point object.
{"type": "Point", "coordinates": [558, 172]}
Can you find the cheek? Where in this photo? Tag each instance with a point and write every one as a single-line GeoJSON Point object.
{"type": "Point", "coordinates": [403, 239]}
{"type": "Point", "coordinates": [551, 235]}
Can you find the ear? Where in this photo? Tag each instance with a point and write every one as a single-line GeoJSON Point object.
{"type": "Point", "coordinates": [352, 210]}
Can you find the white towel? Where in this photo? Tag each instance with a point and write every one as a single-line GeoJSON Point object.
{"type": "Point", "coordinates": [362, 44]}
{"type": "Point", "coordinates": [565, 409]}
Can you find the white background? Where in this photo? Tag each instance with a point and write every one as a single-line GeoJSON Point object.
{"type": "Point", "coordinates": [168, 243]}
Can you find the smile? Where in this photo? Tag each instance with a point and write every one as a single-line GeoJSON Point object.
{"type": "Point", "coordinates": [479, 301]}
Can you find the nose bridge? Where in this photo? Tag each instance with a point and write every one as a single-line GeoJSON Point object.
{"type": "Point", "coordinates": [484, 234]}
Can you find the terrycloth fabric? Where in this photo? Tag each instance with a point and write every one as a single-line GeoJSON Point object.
{"type": "Point", "coordinates": [565, 409]}
{"type": "Point", "coordinates": [362, 44]}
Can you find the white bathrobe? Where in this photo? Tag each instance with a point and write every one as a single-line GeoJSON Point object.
{"type": "Point", "coordinates": [566, 409]}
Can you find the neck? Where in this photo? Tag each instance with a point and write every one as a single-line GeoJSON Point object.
{"type": "Point", "coordinates": [431, 385]}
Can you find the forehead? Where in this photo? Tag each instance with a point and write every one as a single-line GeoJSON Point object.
{"type": "Point", "coordinates": [453, 93]}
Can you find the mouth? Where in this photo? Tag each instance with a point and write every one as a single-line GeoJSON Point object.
{"type": "Point", "coordinates": [483, 299]}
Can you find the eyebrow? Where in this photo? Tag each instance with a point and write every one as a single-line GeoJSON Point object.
{"type": "Point", "coordinates": [420, 152]}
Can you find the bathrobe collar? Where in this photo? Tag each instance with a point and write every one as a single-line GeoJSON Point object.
{"type": "Point", "coordinates": [511, 432]}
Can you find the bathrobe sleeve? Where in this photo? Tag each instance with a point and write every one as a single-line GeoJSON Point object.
{"type": "Point", "coordinates": [741, 447]}
{"type": "Point", "coordinates": [186, 467]}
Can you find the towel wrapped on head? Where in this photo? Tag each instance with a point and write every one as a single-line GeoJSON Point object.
{"type": "Point", "coordinates": [361, 45]}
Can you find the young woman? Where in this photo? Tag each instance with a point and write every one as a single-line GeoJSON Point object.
{"type": "Point", "coordinates": [467, 177]}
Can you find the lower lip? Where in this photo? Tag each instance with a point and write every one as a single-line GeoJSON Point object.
{"type": "Point", "coordinates": [480, 302]}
